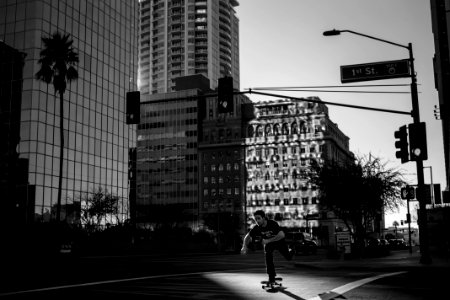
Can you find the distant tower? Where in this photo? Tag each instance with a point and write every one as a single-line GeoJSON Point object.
{"type": "Point", "coordinates": [187, 37]}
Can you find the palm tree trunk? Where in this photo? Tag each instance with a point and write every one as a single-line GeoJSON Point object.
{"type": "Point", "coordinates": [61, 155]}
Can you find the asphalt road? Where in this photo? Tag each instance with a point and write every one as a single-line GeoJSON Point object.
{"type": "Point", "coordinates": [226, 276]}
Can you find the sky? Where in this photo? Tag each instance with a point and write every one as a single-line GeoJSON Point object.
{"type": "Point", "coordinates": [282, 45]}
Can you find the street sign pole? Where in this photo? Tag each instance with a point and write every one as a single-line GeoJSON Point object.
{"type": "Point", "coordinates": [408, 219]}
{"type": "Point", "coordinates": [425, 257]}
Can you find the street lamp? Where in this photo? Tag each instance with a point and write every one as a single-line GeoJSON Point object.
{"type": "Point", "coordinates": [424, 250]}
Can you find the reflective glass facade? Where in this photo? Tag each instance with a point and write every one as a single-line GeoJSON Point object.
{"type": "Point", "coordinates": [97, 139]}
{"type": "Point", "coordinates": [167, 159]}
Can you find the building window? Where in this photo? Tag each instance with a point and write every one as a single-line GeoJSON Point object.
{"type": "Point", "coordinates": [205, 192]}
{"type": "Point", "coordinates": [268, 130]}
{"type": "Point", "coordinates": [305, 200]}
{"type": "Point", "coordinates": [228, 167]}
{"type": "Point", "coordinates": [213, 168]}
{"type": "Point", "coordinates": [236, 191]}
{"type": "Point", "coordinates": [213, 180]}
{"type": "Point", "coordinates": [220, 167]}
{"type": "Point", "coordinates": [294, 128]}
{"type": "Point", "coordinates": [205, 179]}
{"type": "Point", "coordinates": [228, 191]}
{"type": "Point", "coordinates": [276, 129]}
{"type": "Point", "coordinates": [250, 131]}
{"type": "Point", "coordinates": [220, 179]}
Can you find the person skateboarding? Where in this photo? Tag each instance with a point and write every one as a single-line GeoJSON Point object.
{"type": "Point", "coordinates": [273, 238]}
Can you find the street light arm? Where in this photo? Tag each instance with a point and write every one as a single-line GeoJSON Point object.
{"type": "Point", "coordinates": [338, 32]}
{"type": "Point", "coordinates": [375, 38]}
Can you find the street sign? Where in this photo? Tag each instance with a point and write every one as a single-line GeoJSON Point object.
{"type": "Point", "coordinates": [375, 71]}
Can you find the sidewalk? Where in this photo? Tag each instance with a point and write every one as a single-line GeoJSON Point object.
{"type": "Point", "coordinates": [400, 259]}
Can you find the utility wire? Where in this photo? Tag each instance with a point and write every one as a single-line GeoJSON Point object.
{"type": "Point", "coordinates": [337, 91]}
{"type": "Point", "coordinates": [331, 103]}
{"type": "Point", "coordinates": [326, 86]}
{"type": "Point", "coordinates": [308, 89]}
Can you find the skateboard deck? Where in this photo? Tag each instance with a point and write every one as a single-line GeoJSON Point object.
{"type": "Point", "coordinates": [272, 284]}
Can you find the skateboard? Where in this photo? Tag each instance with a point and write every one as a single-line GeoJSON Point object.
{"type": "Point", "coordinates": [272, 284]}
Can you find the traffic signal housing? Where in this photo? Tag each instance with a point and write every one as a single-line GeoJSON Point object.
{"type": "Point", "coordinates": [402, 144]}
{"type": "Point", "coordinates": [225, 95]}
{"type": "Point", "coordinates": [418, 141]}
{"type": "Point", "coordinates": [408, 192]}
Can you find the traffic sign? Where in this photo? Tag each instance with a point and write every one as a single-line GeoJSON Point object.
{"type": "Point", "coordinates": [408, 192]}
{"type": "Point", "coordinates": [375, 71]}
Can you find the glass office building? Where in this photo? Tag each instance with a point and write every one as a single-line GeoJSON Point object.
{"type": "Point", "coordinates": [97, 138]}
{"type": "Point", "coordinates": [167, 159]}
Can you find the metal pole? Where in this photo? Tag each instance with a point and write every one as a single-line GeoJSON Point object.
{"type": "Point", "coordinates": [433, 202]}
{"type": "Point", "coordinates": [424, 244]}
{"type": "Point", "coordinates": [425, 257]}
{"type": "Point", "coordinates": [409, 227]}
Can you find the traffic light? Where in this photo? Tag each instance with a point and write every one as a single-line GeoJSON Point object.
{"type": "Point", "coordinates": [133, 107]}
{"type": "Point", "coordinates": [401, 144]}
{"type": "Point", "coordinates": [418, 141]}
{"type": "Point", "coordinates": [225, 95]}
{"type": "Point", "coordinates": [408, 192]}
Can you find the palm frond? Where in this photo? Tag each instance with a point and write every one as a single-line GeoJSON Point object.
{"type": "Point", "coordinates": [58, 60]}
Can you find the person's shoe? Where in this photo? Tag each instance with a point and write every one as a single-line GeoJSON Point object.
{"type": "Point", "coordinates": [291, 254]}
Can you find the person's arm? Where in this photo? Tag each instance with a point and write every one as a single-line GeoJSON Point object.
{"type": "Point", "coordinates": [246, 240]}
{"type": "Point", "coordinates": [279, 236]}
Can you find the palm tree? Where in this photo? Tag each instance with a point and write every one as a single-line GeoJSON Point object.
{"type": "Point", "coordinates": [395, 224]}
{"type": "Point", "coordinates": [57, 61]}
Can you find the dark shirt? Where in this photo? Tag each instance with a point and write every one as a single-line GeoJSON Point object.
{"type": "Point", "coordinates": [270, 230]}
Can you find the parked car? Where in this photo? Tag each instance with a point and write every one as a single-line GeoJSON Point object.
{"type": "Point", "coordinates": [301, 243]}
{"type": "Point", "coordinates": [377, 247]}
{"type": "Point", "coordinates": [398, 244]}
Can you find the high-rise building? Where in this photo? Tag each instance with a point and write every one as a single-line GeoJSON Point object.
{"type": "Point", "coordinates": [440, 16]}
{"type": "Point", "coordinates": [13, 182]}
{"type": "Point", "coordinates": [187, 37]}
{"type": "Point", "coordinates": [97, 138]}
{"type": "Point", "coordinates": [167, 162]}
{"type": "Point", "coordinates": [222, 172]}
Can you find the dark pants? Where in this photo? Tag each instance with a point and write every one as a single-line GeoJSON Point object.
{"type": "Point", "coordinates": [282, 247]}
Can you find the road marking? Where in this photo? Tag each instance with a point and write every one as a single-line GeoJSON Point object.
{"type": "Point", "coordinates": [350, 286]}
{"type": "Point", "coordinates": [115, 281]}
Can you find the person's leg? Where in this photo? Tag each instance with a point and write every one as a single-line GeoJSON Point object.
{"type": "Point", "coordinates": [284, 250]}
{"type": "Point", "coordinates": [270, 267]}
